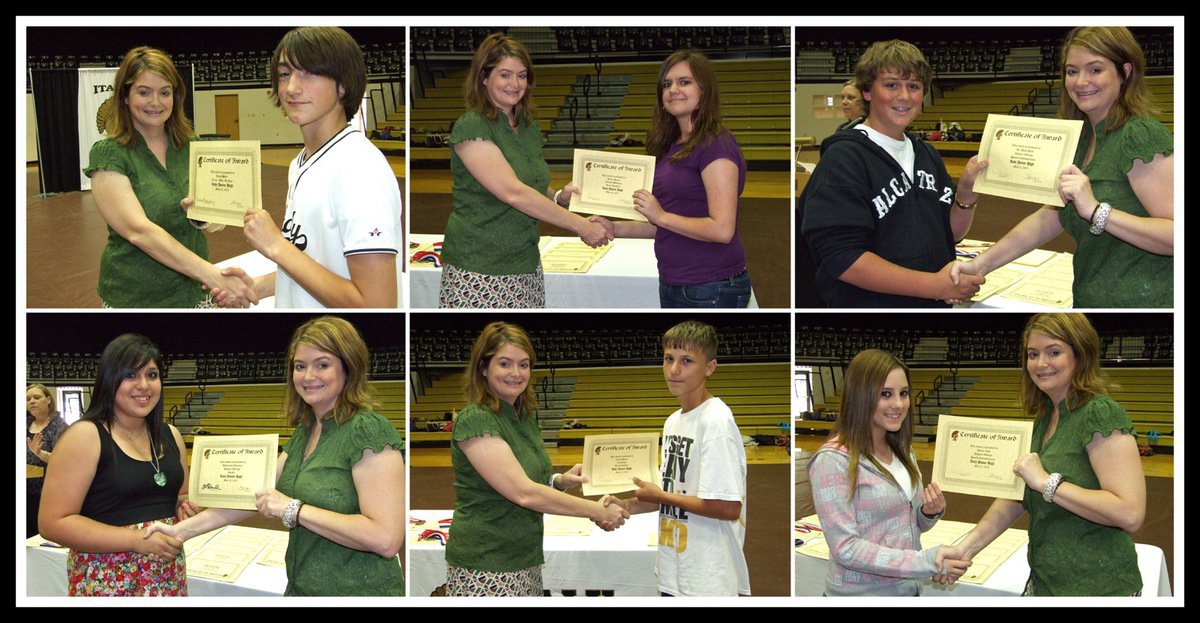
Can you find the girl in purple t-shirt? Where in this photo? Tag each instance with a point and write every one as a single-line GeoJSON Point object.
{"type": "Point", "coordinates": [699, 175]}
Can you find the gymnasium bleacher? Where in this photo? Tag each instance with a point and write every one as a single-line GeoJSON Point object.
{"type": "Point", "coordinates": [219, 65]}
{"type": "Point", "coordinates": [985, 70]}
{"type": "Point", "coordinates": [976, 373]}
{"type": "Point", "coordinates": [227, 393]}
{"type": "Point", "coordinates": [595, 87]}
{"type": "Point", "coordinates": [600, 381]}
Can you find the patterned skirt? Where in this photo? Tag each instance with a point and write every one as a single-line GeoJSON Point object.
{"type": "Point", "coordinates": [125, 574]}
{"type": "Point", "coordinates": [205, 303]}
{"type": "Point", "coordinates": [471, 583]}
{"type": "Point", "coordinates": [465, 289]}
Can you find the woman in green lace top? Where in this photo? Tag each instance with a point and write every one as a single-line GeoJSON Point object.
{"type": "Point", "coordinates": [1086, 491]}
{"type": "Point", "coordinates": [503, 479]}
{"type": "Point", "coordinates": [154, 256]}
{"type": "Point", "coordinates": [339, 483]}
{"type": "Point", "coordinates": [1119, 191]}
{"type": "Point", "coordinates": [501, 188]}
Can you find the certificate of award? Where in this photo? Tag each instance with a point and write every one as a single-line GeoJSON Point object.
{"type": "Point", "coordinates": [946, 532]}
{"type": "Point", "coordinates": [610, 462]}
{"type": "Point", "coordinates": [228, 469]}
{"type": "Point", "coordinates": [1025, 156]}
{"type": "Point", "coordinates": [224, 180]}
{"type": "Point", "coordinates": [976, 455]}
{"type": "Point", "coordinates": [558, 525]}
{"type": "Point", "coordinates": [571, 257]}
{"type": "Point", "coordinates": [227, 554]}
{"type": "Point", "coordinates": [607, 180]}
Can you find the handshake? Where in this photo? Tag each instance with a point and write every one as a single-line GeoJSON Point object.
{"type": "Point", "coordinates": [613, 513]}
{"type": "Point", "coordinates": [952, 562]}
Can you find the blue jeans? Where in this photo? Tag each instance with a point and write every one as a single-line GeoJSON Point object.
{"type": "Point", "coordinates": [731, 292]}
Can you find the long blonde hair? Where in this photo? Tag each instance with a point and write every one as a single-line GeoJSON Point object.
{"type": "Point", "coordinates": [1116, 44]}
{"type": "Point", "coordinates": [341, 339]}
{"type": "Point", "coordinates": [495, 48]}
{"type": "Point", "coordinates": [119, 126]}
{"type": "Point", "coordinates": [475, 385]}
{"type": "Point", "coordinates": [1077, 332]}
{"type": "Point", "coordinates": [864, 380]}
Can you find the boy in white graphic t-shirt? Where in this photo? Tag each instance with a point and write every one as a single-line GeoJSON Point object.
{"type": "Point", "coordinates": [340, 236]}
{"type": "Point", "coordinates": [702, 500]}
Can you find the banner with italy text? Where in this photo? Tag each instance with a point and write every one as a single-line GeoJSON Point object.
{"type": "Point", "coordinates": [95, 87]}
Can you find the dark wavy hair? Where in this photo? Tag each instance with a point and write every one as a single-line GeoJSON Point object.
{"type": "Point", "coordinates": [123, 356]}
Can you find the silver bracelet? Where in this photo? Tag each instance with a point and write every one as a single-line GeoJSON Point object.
{"type": "Point", "coordinates": [1100, 218]}
{"type": "Point", "coordinates": [291, 514]}
{"type": "Point", "coordinates": [554, 477]}
{"type": "Point", "coordinates": [557, 193]}
{"type": "Point", "coordinates": [1051, 487]}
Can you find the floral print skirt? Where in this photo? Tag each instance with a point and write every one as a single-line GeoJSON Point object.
{"type": "Point", "coordinates": [125, 574]}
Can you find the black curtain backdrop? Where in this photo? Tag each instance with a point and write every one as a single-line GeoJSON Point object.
{"type": "Point", "coordinates": [55, 101]}
{"type": "Point", "coordinates": [56, 105]}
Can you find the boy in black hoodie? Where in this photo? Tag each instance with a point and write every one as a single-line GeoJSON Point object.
{"type": "Point", "coordinates": [880, 213]}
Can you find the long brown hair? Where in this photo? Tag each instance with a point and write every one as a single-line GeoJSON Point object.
{"type": "Point", "coordinates": [1077, 332]}
{"type": "Point", "coordinates": [495, 48]}
{"type": "Point", "coordinates": [1116, 44]}
{"type": "Point", "coordinates": [341, 339]}
{"type": "Point", "coordinates": [475, 385]}
{"type": "Point", "coordinates": [706, 119]}
{"type": "Point", "coordinates": [119, 126]}
{"type": "Point", "coordinates": [864, 380]}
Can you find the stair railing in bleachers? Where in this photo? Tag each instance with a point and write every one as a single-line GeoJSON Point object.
{"type": "Point", "coordinates": [919, 399]}
{"type": "Point", "coordinates": [573, 110]}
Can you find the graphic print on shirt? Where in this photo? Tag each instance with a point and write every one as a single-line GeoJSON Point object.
{"type": "Point", "coordinates": [900, 186]}
{"type": "Point", "coordinates": [672, 520]}
{"type": "Point", "coordinates": [291, 231]}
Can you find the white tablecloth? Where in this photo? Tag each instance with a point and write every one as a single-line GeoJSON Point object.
{"type": "Point", "coordinates": [1008, 580]}
{"type": "Point", "coordinates": [627, 276]}
{"type": "Point", "coordinates": [621, 561]}
{"type": "Point", "coordinates": [46, 575]}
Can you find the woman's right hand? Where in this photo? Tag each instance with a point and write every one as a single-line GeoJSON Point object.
{"type": "Point", "coordinates": [952, 562]}
{"type": "Point", "coordinates": [959, 285]}
{"type": "Point", "coordinates": [610, 517]}
{"type": "Point", "coordinates": [593, 233]}
{"type": "Point", "coordinates": [234, 288]}
{"type": "Point", "coordinates": [606, 224]}
{"type": "Point", "coordinates": [35, 444]}
{"type": "Point", "coordinates": [159, 542]}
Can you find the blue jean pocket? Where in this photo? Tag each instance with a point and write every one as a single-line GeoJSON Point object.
{"type": "Point", "coordinates": [726, 293]}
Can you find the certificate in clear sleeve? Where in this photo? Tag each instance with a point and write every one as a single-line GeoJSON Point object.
{"type": "Point", "coordinates": [976, 455]}
{"type": "Point", "coordinates": [227, 470]}
{"type": "Point", "coordinates": [1025, 156]}
{"type": "Point", "coordinates": [224, 180]}
{"type": "Point", "coordinates": [610, 462]}
{"type": "Point", "coordinates": [607, 181]}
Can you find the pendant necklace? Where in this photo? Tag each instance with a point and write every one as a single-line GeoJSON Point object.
{"type": "Point", "coordinates": [160, 478]}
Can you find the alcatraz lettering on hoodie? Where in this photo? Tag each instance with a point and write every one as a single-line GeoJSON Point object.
{"type": "Point", "coordinates": [900, 186]}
